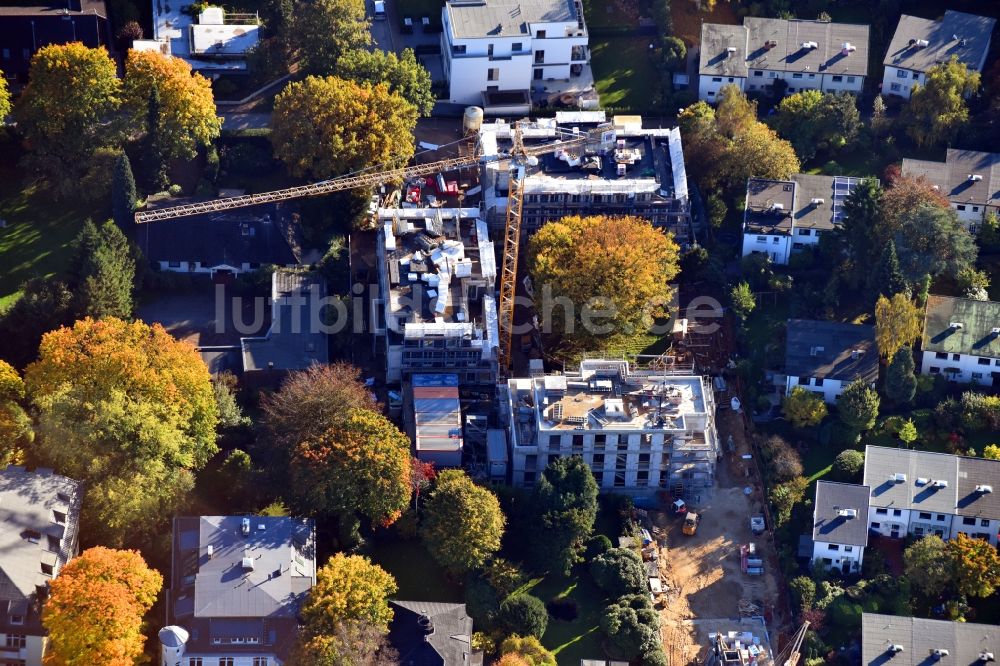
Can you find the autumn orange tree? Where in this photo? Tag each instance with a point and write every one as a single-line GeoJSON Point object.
{"type": "Point", "coordinates": [612, 272]}
{"type": "Point", "coordinates": [977, 566]}
{"type": "Point", "coordinates": [360, 465]}
{"type": "Point", "coordinates": [95, 608]}
{"type": "Point", "coordinates": [129, 410]}
{"type": "Point", "coordinates": [187, 115]}
{"type": "Point", "coordinates": [15, 424]}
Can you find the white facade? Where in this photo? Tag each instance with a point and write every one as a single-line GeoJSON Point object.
{"type": "Point", "coordinates": [976, 527]}
{"type": "Point", "coordinates": [899, 81]}
{"type": "Point", "coordinates": [29, 649]}
{"type": "Point", "coordinates": [898, 523]}
{"type": "Point", "coordinates": [830, 389]}
{"type": "Point", "coordinates": [760, 80]}
{"type": "Point", "coordinates": [894, 523]}
{"type": "Point", "coordinates": [509, 61]}
{"type": "Point", "coordinates": [837, 555]}
{"type": "Point", "coordinates": [197, 267]}
{"type": "Point", "coordinates": [962, 368]}
{"type": "Point", "coordinates": [776, 246]}
{"type": "Point", "coordinates": [709, 86]}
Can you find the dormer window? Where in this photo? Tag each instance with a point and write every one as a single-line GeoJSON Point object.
{"type": "Point", "coordinates": [48, 569]}
{"type": "Point", "coordinates": [59, 517]}
{"type": "Point", "coordinates": [53, 543]}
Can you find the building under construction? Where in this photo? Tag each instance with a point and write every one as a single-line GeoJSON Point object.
{"type": "Point", "coordinates": [638, 430]}
{"type": "Point", "coordinates": [632, 170]}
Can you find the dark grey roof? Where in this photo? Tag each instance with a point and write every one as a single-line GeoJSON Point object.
{"type": "Point", "coordinates": [505, 18]}
{"type": "Point", "coordinates": [807, 201]}
{"type": "Point", "coordinates": [295, 340]}
{"type": "Point", "coordinates": [830, 522]}
{"type": "Point", "coordinates": [769, 206]}
{"type": "Point", "coordinates": [975, 336]}
{"type": "Point", "coordinates": [922, 469]}
{"type": "Point", "coordinates": [831, 350]}
{"type": "Point", "coordinates": [432, 634]}
{"type": "Point", "coordinates": [231, 238]}
{"type": "Point", "coordinates": [945, 39]}
{"type": "Point", "coordinates": [778, 45]}
{"type": "Point", "coordinates": [919, 637]}
{"type": "Point", "coordinates": [221, 597]}
{"type": "Point", "coordinates": [954, 177]}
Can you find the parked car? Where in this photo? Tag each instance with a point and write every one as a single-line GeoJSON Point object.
{"type": "Point", "coordinates": [379, 10]}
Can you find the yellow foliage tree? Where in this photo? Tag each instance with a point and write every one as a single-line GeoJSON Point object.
{"type": "Point", "coordinates": [324, 127]}
{"type": "Point", "coordinates": [95, 608]}
{"type": "Point", "coordinates": [15, 424]}
{"type": "Point", "coordinates": [977, 566]}
{"type": "Point", "coordinates": [188, 117]}
{"type": "Point", "coordinates": [613, 274]}
{"type": "Point", "coordinates": [529, 649]}
{"type": "Point", "coordinates": [349, 589]}
{"type": "Point", "coordinates": [463, 523]}
{"type": "Point", "coordinates": [897, 324]}
{"type": "Point", "coordinates": [803, 407]}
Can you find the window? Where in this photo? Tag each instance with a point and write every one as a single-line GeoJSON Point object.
{"type": "Point", "coordinates": [227, 661]}
{"type": "Point", "coordinates": [598, 460]}
{"type": "Point", "coordinates": [599, 441]}
{"type": "Point", "coordinates": [935, 370]}
{"type": "Point", "coordinates": [16, 641]}
{"type": "Point", "coordinates": [761, 239]}
{"type": "Point", "coordinates": [918, 531]}
{"type": "Point", "coordinates": [940, 517]}
{"type": "Point", "coordinates": [26, 54]}
{"type": "Point", "coordinates": [529, 478]}
{"type": "Point", "coordinates": [59, 517]}
{"type": "Point", "coordinates": [916, 75]}
{"type": "Point", "coordinates": [819, 381]}
{"type": "Point", "coordinates": [803, 381]}
{"type": "Point", "coordinates": [643, 458]}
{"type": "Point", "coordinates": [731, 79]}
{"type": "Point", "coordinates": [832, 546]}
{"type": "Point", "coordinates": [493, 74]}
{"type": "Point", "coordinates": [900, 74]}
{"type": "Point", "coordinates": [956, 357]}
{"type": "Point", "coordinates": [489, 50]}
{"type": "Point", "coordinates": [53, 543]}
{"type": "Point", "coordinates": [17, 619]}
{"type": "Point", "coordinates": [975, 209]}
{"type": "Point", "coordinates": [577, 441]}
{"type": "Point", "coordinates": [850, 79]}
{"type": "Point", "coordinates": [881, 512]}
{"type": "Point", "coordinates": [941, 355]}
{"type": "Point", "coordinates": [260, 661]}
{"type": "Point", "coordinates": [812, 76]}
{"type": "Point", "coordinates": [961, 206]}
{"type": "Point", "coordinates": [194, 661]}
{"type": "Point", "coordinates": [772, 75]}
{"type": "Point", "coordinates": [516, 47]}
{"type": "Point", "coordinates": [775, 240]}
{"type": "Point", "coordinates": [6, 54]}
{"type": "Point", "coordinates": [924, 515]}
{"type": "Point", "coordinates": [642, 478]}
{"type": "Point", "coordinates": [173, 264]}
{"type": "Point", "coordinates": [47, 569]}
{"type": "Point", "coordinates": [805, 232]}
{"type": "Point", "coordinates": [848, 549]}
{"type": "Point", "coordinates": [620, 479]}
{"type": "Point", "coordinates": [797, 75]}
{"type": "Point", "coordinates": [458, 49]}
{"type": "Point", "coordinates": [827, 561]}
{"type": "Point", "coordinates": [838, 79]}
{"type": "Point", "coordinates": [756, 72]}
{"type": "Point", "coordinates": [968, 521]}
{"type": "Point", "coordinates": [977, 375]}
{"type": "Point", "coordinates": [984, 522]}
{"type": "Point", "coordinates": [875, 526]}
{"type": "Point", "coordinates": [540, 34]}
{"type": "Point", "coordinates": [897, 512]}
{"type": "Point", "coordinates": [716, 79]}
{"type": "Point", "coordinates": [895, 87]}
{"type": "Point", "coordinates": [983, 361]}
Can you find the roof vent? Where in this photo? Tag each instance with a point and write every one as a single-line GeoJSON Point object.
{"type": "Point", "coordinates": [245, 527]}
{"type": "Point", "coordinates": [984, 489]}
{"type": "Point", "coordinates": [898, 477]}
{"type": "Point", "coordinates": [986, 656]}
{"type": "Point", "coordinates": [810, 45]}
{"type": "Point", "coordinates": [817, 202]}
{"type": "Point", "coordinates": [975, 177]}
{"type": "Point", "coordinates": [730, 50]}
{"type": "Point", "coordinates": [922, 43]}
{"type": "Point", "coordinates": [922, 480]}
{"type": "Point", "coordinates": [895, 647]}
{"type": "Point", "coordinates": [963, 42]}
{"type": "Point", "coordinates": [957, 325]}
{"type": "Point", "coordinates": [937, 653]}
{"type": "Point", "coordinates": [939, 483]}
{"type": "Point", "coordinates": [815, 351]}
{"type": "Point", "coordinates": [847, 48]}
{"type": "Point", "coordinates": [847, 513]}
{"type": "Point", "coordinates": [211, 552]}
{"type": "Point", "coordinates": [777, 206]}
{"type": "Point", "coordinates": [857, 353]}
{"type": "Point", "coordinates": [770, 44]}
{"type": "Point", "coordinates": [247, 564]}
{"type": "Point", "coordinates": [995, 330]}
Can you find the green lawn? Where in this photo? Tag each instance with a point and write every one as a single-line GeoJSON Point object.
{"type": "Point", "coordinates": [419, 577]}
{"type": "Point", "coordinates": [581, 638]}
{"type": "Point", "coordinates": [39, 233]}
{"type": "Point", "coordinates": [623, 72]}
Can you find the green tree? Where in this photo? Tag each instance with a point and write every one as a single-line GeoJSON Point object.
{"type": "Point", "coordinates": [5, 105]}
{"type": "Point", "coordinates": [897, 324]}
{"type": "Point", "coordinates": [908, 432]}
{"type": "Point", "coordinates": [348, 644]}
{"type": "Point", "coordinates": [858, 406]}
{"type": "Point", "coordinates": [717, 210]}
{"type": "Point", "coordinates": [16, 431]}
{"type": "Point", "coordinates": [619, 571]}
{"type": "Point", "coordinates": [565, 504]}
{"type": "Point", "coordinates": [803, 407]}
{"type": "Point", "coordinates": [403, 74]}
{"type": "Point", "coordinates": [528, 648]}
{"type": "Point", "coordinates": [463, 523]}
{"type": "Point", "coordinates": [524, 615]}
{"type": "Point", "coordinates": [45, 305]}
{"type": "Point", "coordinates": [613, 273]}
{"type": "Point", "coordinates": [977, 566]}
{"type": "Point", "coordinates": [673, 53]}
{"type": "Point", "coordinates": [879, 119]}
{"type": "Point", "coordinates": [230, 413]}
{"type": "Point", "coordinates": [325, 127]}
{"type": "Point", "coordinates": [349, 589]}
{"type": "Point", "coordinates": [989, 233]}
{"type": "Point", "coordinates": [928, 560]}
{"type": "Point", "coordinates": [974, 284]}
{"type": "Point", "coordinates": [937, 109]}
{"type": "Point", "coordinates": [933, 241]}
{"type": "Point", "coordinates": [323, 31]}
{"type": "Point", "coordinates": [887, 279]}
{"type": "Point", "coordinates": [123, 194]}
{"type": "Point", "coordinates": [804, 590]}
{"type": "Point", "coordinates": [785, 496]}
{"type": "Point", "coordinates": [154, 166]}
{"type": "Point", "coordinates": [991, 452]}
{"type": "Point", "coordinates": [68, 111]}
{"type": "Point", "coordinates": [128, 410]}
{"type": "Point", "coordinates": [900, 382]}
{"type": "Point", "coordinates": [860, 227]}
{"type": "Point", "coordinates": [360, 465]}
{"type": "Point", "coordinates": [813, 121]}
{"type": "Point", "coordinates": [103, 272]}
{"type": "Point", "coordinates": [848, 465]}
{"type": "Point", "coordinates": [743, 300]}
{"type": "Point", "coordinates": [632, 626]}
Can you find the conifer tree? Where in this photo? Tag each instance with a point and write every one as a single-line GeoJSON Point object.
{"type": "Point", "coordinates": [123, 194]}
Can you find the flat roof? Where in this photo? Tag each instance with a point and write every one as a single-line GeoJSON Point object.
{"type": "Point", "coordinates": [804, 201]}
{"type": "Point", "coordinates": [505, 18]}
{"type": "Point", "coordinates": [296, 339]}
{"type": "Point", "coordinates": [224, 40]}
{"type": "Point", "coordinates": [55, 8]}
{"type": "Point", "coordinates": [965, 36]}
{"type": "Point", "coordinates": [975, 335]}
{"type": "Point", "coordinates": [437, 412]}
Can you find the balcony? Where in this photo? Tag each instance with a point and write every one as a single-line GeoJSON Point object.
{"type": "Point", "coordinates": [579, 54]}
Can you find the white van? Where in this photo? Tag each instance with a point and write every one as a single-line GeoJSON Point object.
{"type": "Point", "coordinates": [379, 10]}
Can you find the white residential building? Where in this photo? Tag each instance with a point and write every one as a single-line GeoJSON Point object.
{"type": "Point", "coordinates": [840, 528]}
{"type": "Point", "coordinates": [39, 535]}
{"type": "Point", "coordinates": [636, 171]}
{"type": "Point", "coordinates": [783, 216]}
{"type": "Point", "coordinates": [919, 44]}
{"type": "Point", "coordinates": [638, 430]}
{"type": "Point", "coordinates": [826, 356]}
{"type": "Point", "coordinates": [807, 55]}
{"type": "Point", "coordinates": [919, 493]}
{"type": "Point", "coordinates": [968, 179]}
{"type": "Point", "coordinates": [217, 41]}
{"type": "Point", "coordinates": [436, 311]}
{"type": "Point", "coordinates": [961, 340]}
{"type": "Point", "coordinates": [894, 640]}
{"type": "Point", "coordinates": [496, 52]}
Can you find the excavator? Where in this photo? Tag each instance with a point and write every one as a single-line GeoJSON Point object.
{"type": "Point", "coordinates": [518, 158]}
